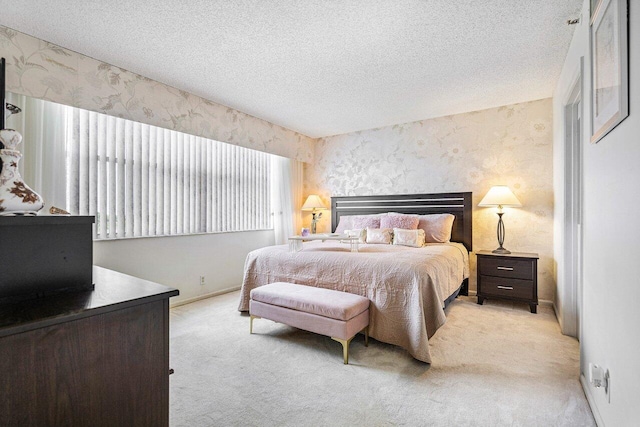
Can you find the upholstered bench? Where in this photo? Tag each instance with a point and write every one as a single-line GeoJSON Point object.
{"type": "Point", "coordinates": [339, 315]}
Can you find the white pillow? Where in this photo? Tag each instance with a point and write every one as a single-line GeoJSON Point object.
{"type": "Point", "coordinates": [361, 233]}
{"type": "Point", "coordinates": [379, 235]}
{"type": "Point", "coordinates": [413, 238]}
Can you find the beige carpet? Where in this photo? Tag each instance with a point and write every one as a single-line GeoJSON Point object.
{"type": "Point", "coordinates": [494, 365]}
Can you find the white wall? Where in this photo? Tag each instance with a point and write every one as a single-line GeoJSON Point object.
{"type": "Point", "coordinates": [610, 316]}
{"type": "Point", "coordinates": [179, 261]}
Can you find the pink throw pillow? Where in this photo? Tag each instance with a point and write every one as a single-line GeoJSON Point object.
{"type": "Point", "coordinates": [344, 224]}
{"type": "Point", "coordinates": [437, 227]}
{"type": "Point", "coordinates": [405, 222]}
{"type": "Point", "coordinates": [360, 222]}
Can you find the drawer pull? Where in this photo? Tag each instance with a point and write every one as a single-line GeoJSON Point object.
{"type": "Point", "coordinates": [505, 268]}
{"type": "Point", "coordinates": [509, 288]}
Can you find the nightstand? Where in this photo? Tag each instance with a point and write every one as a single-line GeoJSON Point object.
{"type": "Point", "coordinates": [512, 276]}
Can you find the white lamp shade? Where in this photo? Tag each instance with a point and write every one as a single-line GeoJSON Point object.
{"type": "Point", "coordinates": [500, 195]}
{"type": "Point", "coordinates": [313, 202]}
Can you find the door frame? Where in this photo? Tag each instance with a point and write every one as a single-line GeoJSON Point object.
{"type": "Point", "coordinates": [573, 206]}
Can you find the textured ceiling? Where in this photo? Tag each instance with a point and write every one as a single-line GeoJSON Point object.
{"type": "Point", "coordinates": [322, 67]}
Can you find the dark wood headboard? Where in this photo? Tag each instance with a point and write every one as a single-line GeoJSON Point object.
{"type": "Point", "coordinates": [458, 204]}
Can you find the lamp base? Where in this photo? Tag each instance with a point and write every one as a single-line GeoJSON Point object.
{"type": "Point", "coordinates": [501, 250]}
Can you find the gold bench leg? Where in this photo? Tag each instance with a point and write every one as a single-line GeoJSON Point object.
{"type": "Point", "coordinates": [345, 348]}
{"type": "Point", "coordinates": [345, 344]}
{"type": "Point", "coordinates": [251, 317]}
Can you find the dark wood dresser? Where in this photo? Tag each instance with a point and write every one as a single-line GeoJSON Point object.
{"type": "Point", "coordinates": [512, 276]}
{"type": "Point", "coordinates": [90, 358]}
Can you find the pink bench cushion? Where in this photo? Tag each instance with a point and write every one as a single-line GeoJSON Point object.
{"type": "Point", "coordinates": [323, 302]}
{"type": "Point", "coordinates": [311, 322]}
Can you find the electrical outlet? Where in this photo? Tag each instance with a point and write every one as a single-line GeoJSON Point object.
{"type": "Point", "coordinates": [596, 376]}
{"type": "Point", "coordinates": [600, 378]}
{"type": "Point", "coordinates": [201, 280]}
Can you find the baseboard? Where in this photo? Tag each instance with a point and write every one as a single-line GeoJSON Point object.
{"type": "Point", "coordinates": [199, 297]}
{"type": "Point", "coordinates": [591, 401]}
{"type": "Point", "coordinates": [558, 317]}
{"type": "Point", "coordinates": [540, 302]}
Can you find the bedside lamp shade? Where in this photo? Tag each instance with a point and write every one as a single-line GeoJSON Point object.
{"type": "Point", "coordinates": [312, 203]}
{"type": "Point", "coordinates": [500, 196]}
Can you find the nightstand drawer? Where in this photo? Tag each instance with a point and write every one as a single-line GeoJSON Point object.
{"type": "Point", "coordinates": [503, 287]}
{"type": "Point", "coordinates": [506, 267]}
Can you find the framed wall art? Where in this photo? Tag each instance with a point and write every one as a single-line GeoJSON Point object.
{"type": "Point", "coordinates": [610, 69]}
{"type": "Point", "coordinates": [594, 7]}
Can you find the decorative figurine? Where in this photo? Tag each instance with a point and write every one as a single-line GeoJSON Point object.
{"type": "Point", "coordinates": [16, 198]}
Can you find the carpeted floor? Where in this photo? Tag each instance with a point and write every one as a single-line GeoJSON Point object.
{"type": "Point", "coordinates": [494, 365]}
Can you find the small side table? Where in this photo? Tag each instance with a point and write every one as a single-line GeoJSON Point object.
{"type": "Point", "coordinates": [512, 276]}
{"type": "Point", "coordinates": [295, 242]}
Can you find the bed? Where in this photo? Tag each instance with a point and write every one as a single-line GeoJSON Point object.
{"type": "Point", "coordinates": [408, 287]}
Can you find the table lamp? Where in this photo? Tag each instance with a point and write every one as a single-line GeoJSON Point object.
{"type": "Point", "coordinates": [313, 203]}
{"type": "Point", "coordinates": [500, 196]}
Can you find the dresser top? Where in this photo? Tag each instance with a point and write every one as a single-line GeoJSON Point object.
{"type": "Point", "coordinates": [511, 255]}
{"type": "Point", "coordinates": [11, 221]}
{"type": "Point", "coordinates": [113, 291]}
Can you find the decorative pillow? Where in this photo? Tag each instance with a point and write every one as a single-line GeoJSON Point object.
{"type": "Point", "coordinates": [365, 222]}
{"type": "Point", "coordinates": [379, 235]}
{"type": "Point", "coordinates": [405, 222]}
{"type": "Point", "coordinates": [346, 222]}
{"type": "Point", "coordinates": [437, 227]}
{"type": "Point", "coordinates": [361, 233]}
{"type": "Point", "coordinates": [413, 238]}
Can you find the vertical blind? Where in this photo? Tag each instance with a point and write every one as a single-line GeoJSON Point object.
{"type": "Point", "coordinates": [140, 180]}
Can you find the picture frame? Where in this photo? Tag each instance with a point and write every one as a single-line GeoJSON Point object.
{"type": "Point", "coordinates": [594, 8]}
{"type": "Point", "coordinates": [610, 66]}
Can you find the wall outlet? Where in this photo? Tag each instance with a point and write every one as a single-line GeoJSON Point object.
{"type": "Point", "coordinates": [600, 378]}
{"type": "Point", "coordinates": [596, 375]}
{"type": "Point", "coordinates": [201, 280]}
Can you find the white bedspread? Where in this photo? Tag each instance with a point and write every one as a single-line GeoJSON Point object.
{"type": "Point", "coordinates": [407, 286]}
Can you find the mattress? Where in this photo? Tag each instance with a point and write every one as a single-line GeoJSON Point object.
{"type": "Point", "coordinates": [407, 286]}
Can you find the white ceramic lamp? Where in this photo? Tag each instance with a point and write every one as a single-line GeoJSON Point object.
{"type": "Point", "coordinates": [500, 196]}
{"type": "Point", "coordinates": [313, 204]}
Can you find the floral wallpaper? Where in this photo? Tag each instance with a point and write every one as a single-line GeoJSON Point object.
{"type": "Point", "coordinates": [509, 145]}
{"type": "Point", "coordinates": [46, 71]}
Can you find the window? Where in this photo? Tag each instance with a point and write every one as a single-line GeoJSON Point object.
{"type": "Point", "coordinates": [141, 180]}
